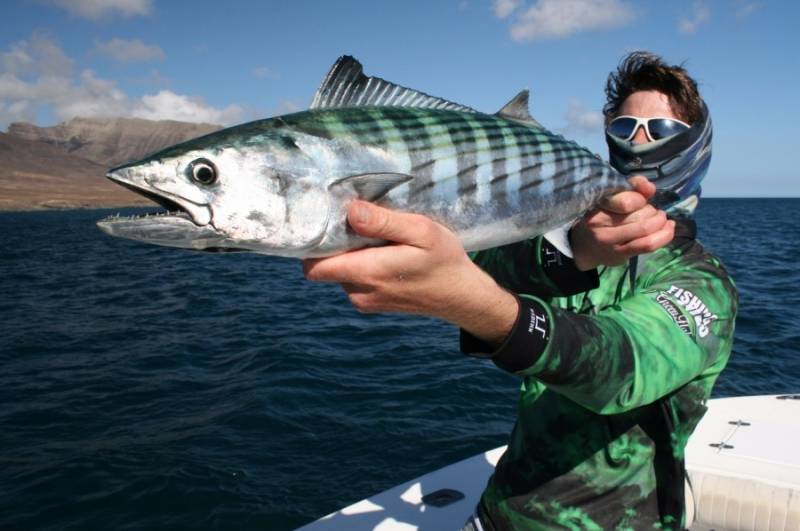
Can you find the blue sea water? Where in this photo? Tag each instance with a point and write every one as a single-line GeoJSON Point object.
{"type": "Point", "coordinates": [152, 388]}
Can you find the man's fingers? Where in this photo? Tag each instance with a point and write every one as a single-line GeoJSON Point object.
{"type": "Point", "coordinates": [624, 202]}
{"type": "Point", "coordinates": [373, 221]}
{"type": "Point", "coordinates": [632, 231]}
{"type": "Point", "coordinates": [604, 218]}
{"type": "Point", "coordinates": [643, 186]}
{"type": "Point", "coordinates": [647, 213]}
{"type": "Point", "coordinates": [343, 269]}
{"type": "Point", "coordinates": [321, 269]}
{"type": "Point", "coordinates": [413, 232]}
{"type": "Point", "coordinates": [632, 200]}
{"type": "Point", "coordinates": [651, 242]}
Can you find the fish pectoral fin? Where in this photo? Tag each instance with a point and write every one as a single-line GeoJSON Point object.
{"type": "Point", "coordinates": [369, 186]}
{"type": "Point", "coordinates": [517, 110]}
{"type": "Point", "coordinates": [346, 85]}
{"type": "Point", "coordinates": [559, 237]}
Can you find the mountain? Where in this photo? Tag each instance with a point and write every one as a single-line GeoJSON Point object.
{"type": "Point", "coordinates": [112, 141]}
{"type": "Point", "coordinates": [64, 166]}
{"type": "Point", "coordinates": [37, 175]}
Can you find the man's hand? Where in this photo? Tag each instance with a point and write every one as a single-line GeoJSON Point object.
{"type": "Point", "coordinates": [425, 271]}
{"type": "Point", "coordinates": [624, 225]}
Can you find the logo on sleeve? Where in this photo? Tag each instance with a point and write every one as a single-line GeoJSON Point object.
{"type": "Point", "coordinates": [552, 258]}
{"type": "Point", "coordinates": [693, 304]}
{"type": "Point", "coordinates": [537, 323]}
{"type": "Point", "coordinates": [675, 313]}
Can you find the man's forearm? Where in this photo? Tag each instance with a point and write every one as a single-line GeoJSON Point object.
{"type": "Point", "coordinates": [489, 313]}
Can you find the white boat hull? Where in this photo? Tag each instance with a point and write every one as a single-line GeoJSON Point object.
{"type": "Point", "coordinates": [743, 462]}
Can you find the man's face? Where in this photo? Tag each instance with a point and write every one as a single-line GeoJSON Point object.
{"type": "Point", "coordinates": [646, 104]}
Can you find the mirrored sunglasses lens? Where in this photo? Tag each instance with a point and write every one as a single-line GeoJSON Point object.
{"type": "Point", "coordinates": [621, 127]}
{"type": "Point", "coordinates": [663, 127]}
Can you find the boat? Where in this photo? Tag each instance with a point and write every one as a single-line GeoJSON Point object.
{"type": "Point", "coordinates": [742, 462]}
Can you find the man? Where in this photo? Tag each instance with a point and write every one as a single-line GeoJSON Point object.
{"type": "Point", "coordinates": [617, 362]}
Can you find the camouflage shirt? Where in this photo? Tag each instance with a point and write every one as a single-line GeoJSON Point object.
{"type": "Point", "coordinates": [615, 379]}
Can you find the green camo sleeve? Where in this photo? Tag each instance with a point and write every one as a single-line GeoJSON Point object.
{"type": "Point", "coordinates": [677, 325]}
{"type": "Point", "coordinates": [535, 267]}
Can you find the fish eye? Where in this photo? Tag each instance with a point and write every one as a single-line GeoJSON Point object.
{"type": "Point", "coordinates": [202, 171]}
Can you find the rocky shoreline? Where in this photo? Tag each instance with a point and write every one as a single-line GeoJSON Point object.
{"type": "Point", "coordinates": [62, 204]}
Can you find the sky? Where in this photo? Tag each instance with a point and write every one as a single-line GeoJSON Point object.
{"type": "Point", "coordinates": [235, 61]}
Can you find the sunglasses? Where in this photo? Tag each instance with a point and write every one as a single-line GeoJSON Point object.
{"type": "Point", "coordinates": [625, 127]}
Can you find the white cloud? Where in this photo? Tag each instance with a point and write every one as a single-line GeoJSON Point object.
{"type": "Point", "coordinates": [126, 51]}
{"type": "Point", "coordinates": [97, 9]}
{"type": "Point", "coordinates": [554, 19]}
{"type": "Point", "coordinates": [13, 88]}
{"type": "Point", "coordinates": [700, 14]}
{"type": "Point", "coordinates": [581, 121]}
{"type": "Point", "coordinates": [263, 72]}
{"type": "Point", "coordinates": [166, 105]}
{"type": "Point", "coordinates": [17, 59]}
{"type": "Point", "coordinates": [503, 8]}
{"type": "Point", "coordinates": [36, 76]}
{"type": "Point", "coordinates": [39, 55]}
{"type": "Point", "coordinates": [92, 97]}
{"type": "Point", "coordinates": [18, 111]}
{"type": "Point", "coordinates": [745, 9]}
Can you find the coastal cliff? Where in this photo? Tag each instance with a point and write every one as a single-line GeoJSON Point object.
{"type": "Point", "coordinates": [64, 166]}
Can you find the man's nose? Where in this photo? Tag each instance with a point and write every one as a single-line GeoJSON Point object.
{"type": "Point", "coordinates": [640, 137]}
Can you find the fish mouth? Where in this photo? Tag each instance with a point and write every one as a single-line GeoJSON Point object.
{"type": "Point", "coordinates": [173, 205]}
{"type": "Point", "coordinates": [182, 223]}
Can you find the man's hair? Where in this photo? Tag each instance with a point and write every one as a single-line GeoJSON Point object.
{"type": "Point", "coordinates": [646, 71]}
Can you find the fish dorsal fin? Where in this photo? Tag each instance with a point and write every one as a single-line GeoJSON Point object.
{"type": "Point", "coordinates": [347, 86]}
{"type": "Point", "coordinates": [517, 110]}
{"type": "Point", "coordinates": [368, 186]}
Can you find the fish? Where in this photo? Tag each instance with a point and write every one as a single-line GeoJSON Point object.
{"type": "Point", "coordinates": [281, 186]}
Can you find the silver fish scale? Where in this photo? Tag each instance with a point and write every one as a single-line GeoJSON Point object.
{"type": "Point", "coordinates": [476, 157]}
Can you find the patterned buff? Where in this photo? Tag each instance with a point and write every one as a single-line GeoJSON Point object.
{"type": "Point", "coordinates": [675, 164]}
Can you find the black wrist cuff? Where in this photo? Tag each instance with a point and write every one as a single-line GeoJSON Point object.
{"type": "Point", "coordinates": [562, 272]}
{"type": "Point", "coordinates": [525, 343]}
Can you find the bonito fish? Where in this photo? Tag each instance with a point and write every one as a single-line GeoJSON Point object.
{"type": "Point", "coordinates": [281, 186]}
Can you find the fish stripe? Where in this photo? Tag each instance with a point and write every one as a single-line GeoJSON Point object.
{"type": "Point", "coordinates": [464, 137]}
{"type": "Point", "coordinates": [415, 140]}
{"type": "Point", "coordinates": [511, 155]}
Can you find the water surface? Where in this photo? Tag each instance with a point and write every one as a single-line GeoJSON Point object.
{"type": "Point", "coordinates": [153, 388]}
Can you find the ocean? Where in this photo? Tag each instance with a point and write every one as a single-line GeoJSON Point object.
{"type": "Point", "coordinates": [152, 388]}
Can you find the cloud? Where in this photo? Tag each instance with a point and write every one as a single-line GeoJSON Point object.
{"type": "Point", "coordinates": [125, 51]}
{"type": "Point", "coordinates": [555, 19]}
{"type": "Point", "coordinates": [745, 9]}
{"type": "Point", "coordinates": [700, 14]}
{"type": "Point", "coordinates": [263, 72]}
{"type": "Point", "coordinates": [97, 9]}
{"type": "Point", "coordinates": [166, 105]}
{"type": "Point", "coordinates": [581, 121]}
{"type": "Point", "coordinates": [503, 8]}
{"type": "Point", "coordinates": [39, 55]}
{"type": "Point", "coordinates": [20, 110]}
{"type": "Point", "coordinates": [91, 97]}
{"type": "Point", "coordinates": [36, 76]}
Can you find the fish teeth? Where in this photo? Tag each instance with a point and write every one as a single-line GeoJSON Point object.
{"type": "Point", "coordinates": [119, 217]}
